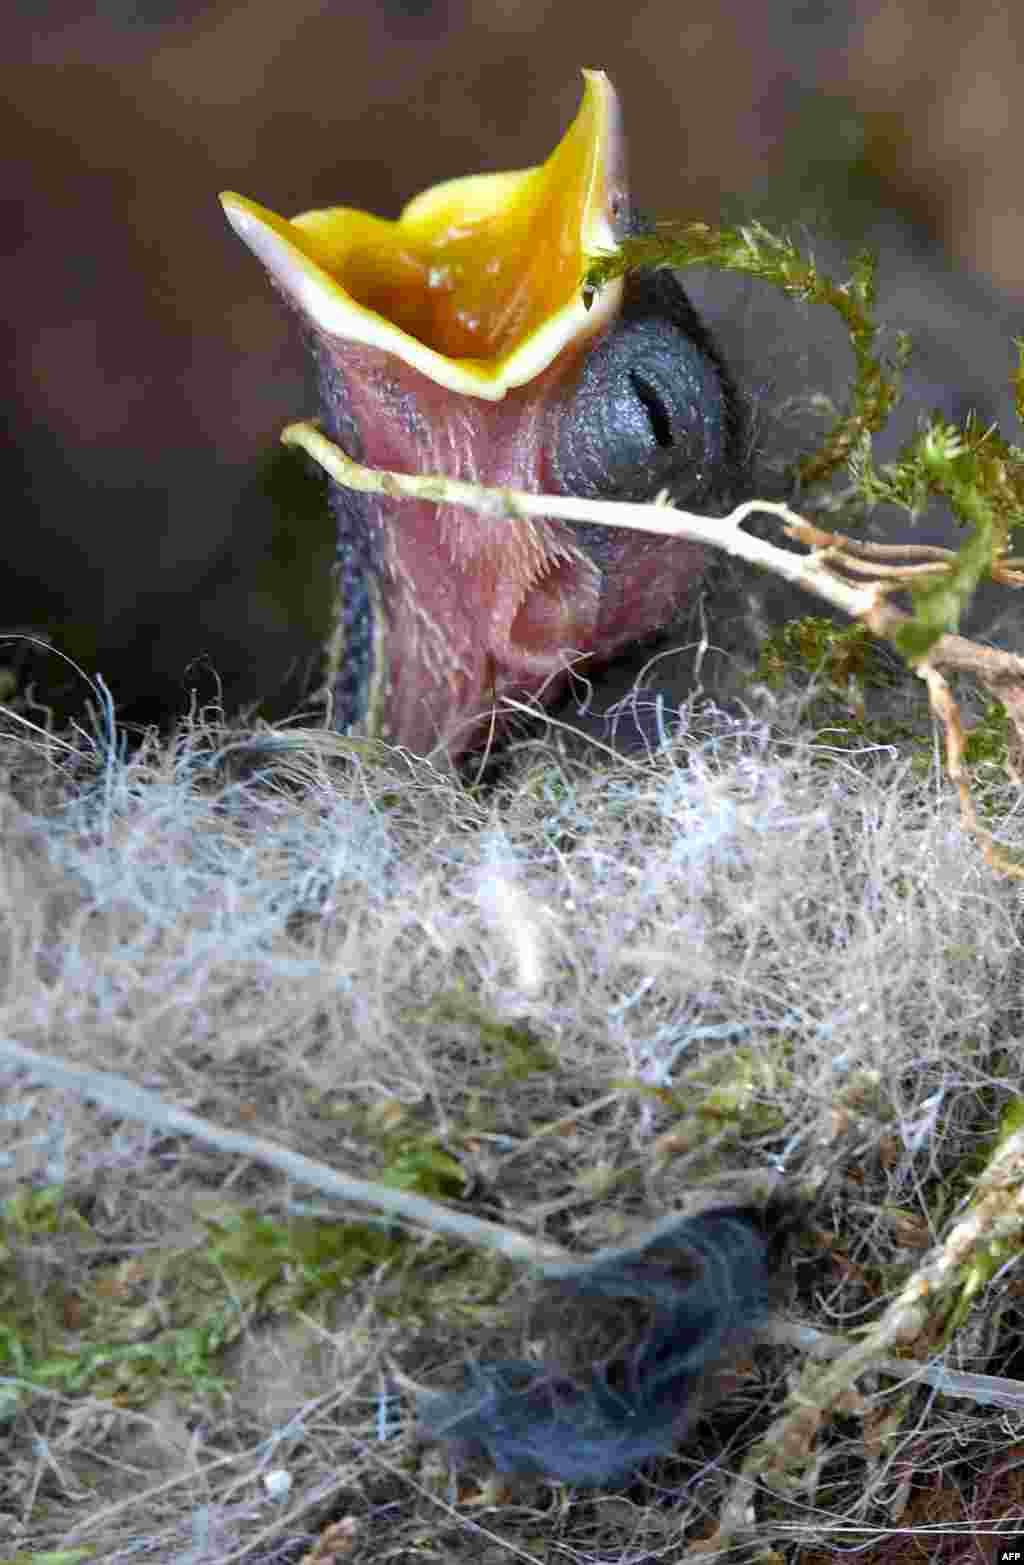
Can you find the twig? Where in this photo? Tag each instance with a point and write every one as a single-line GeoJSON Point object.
{"type": "Point", "coordinates": [787, 1450]}
{"type": "Point", "coordinates": [986, 1390]}
{"type": "Point", "coordinates": [719, 532]}
{"type": "Point", "coordinates": [122, 1096]}
{"type": "Point", "coordinates": [1001, 673]}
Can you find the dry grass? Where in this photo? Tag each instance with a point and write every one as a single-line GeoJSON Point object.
{"type": "Point", "coordinates": [567, 1000]}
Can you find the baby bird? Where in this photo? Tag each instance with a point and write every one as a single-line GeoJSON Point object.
{"type": "Point", "coordinates": [458, 340]}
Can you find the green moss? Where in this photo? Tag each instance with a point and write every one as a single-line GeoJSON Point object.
{"type": "Point", "coordinates": [735, 1093]}
{"type": "Point", "coordinates": [161, 1318]}
{"type": "Point", "coordinates": [422, 1164]}
{"type": "Point", "coordinates": [982, 477]}
{"type": "Point", "coordinates": [32, 1212]}
{"type": "Point", "coordinates": [988, 740]}
{"type": "Point", "coordinates": [407, 1152]}
{"type": "Point", "coordinates": [1011, 1121]}
{"type": "Point", "coordinates": [33, 1313]}
{"type": "Point", "coordinates": [755, 251]}
{"type": "Point", "coordinates": [518, 1052]}
{"type": "Point", "coordinates": [285, 1263]}
{"type": "Point", "coordinates": [986, 1261]}
{"type": "Point", "coordinates": [51, 1557]}
{"type": "Point", "coordinates": [847, 657]}
{"type": "Point", "coordinates": [851, 684]}
{"type": "Point", "coordinates": [974, 468]}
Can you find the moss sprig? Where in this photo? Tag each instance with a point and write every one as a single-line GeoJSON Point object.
{"type": "Point", "coordinates": [977, 470]}
{"type": "Point", "coordinates": [756, 251]}
{"type": "Point", "coordinates": [982, 476]}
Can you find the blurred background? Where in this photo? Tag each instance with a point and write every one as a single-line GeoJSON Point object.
{"type": "Point", "coordinates": [152, 530]}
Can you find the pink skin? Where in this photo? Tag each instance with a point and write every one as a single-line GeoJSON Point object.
{"type": "Point", "coordinates": [443, 613]}
{"type": "Point", "coordinates": [479, 608]}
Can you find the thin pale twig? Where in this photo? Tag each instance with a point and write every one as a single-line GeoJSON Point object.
{"type": "Point", "coordinates": [1002, 673]}
{"type": "Point", "coordinates": [122, 1096]}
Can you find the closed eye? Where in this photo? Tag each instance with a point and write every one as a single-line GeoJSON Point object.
{"type": "Point", "coordinates": [657, 413]}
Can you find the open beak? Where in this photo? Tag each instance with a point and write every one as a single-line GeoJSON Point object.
{"type": "Point", "coordinates": [457, 340]}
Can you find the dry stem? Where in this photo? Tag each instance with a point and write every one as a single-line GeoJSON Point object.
{"type": "Point", "coordinates": [819, 572]}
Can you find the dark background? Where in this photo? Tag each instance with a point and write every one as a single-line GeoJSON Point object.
{"type": "Point", "coordinates": [150, 528]}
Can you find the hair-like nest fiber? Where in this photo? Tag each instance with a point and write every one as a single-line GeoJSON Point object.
{"type": "Point", "coordinates": [644, 1328]}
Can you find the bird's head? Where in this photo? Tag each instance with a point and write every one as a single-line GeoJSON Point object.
{"type": "Point", "coordinates": [458, 340]}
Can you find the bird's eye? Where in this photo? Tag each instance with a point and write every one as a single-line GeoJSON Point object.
{"type": "Point", "coordinates": [658, 414]}
{"type": "Point", "coordinates": [651, 408]}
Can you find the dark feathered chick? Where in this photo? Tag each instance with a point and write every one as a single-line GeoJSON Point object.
{"type": "Point", "coordinates": [458, 340]}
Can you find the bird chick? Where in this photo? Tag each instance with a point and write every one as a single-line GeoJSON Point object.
{"type": "Point", "coordinates": [458, 340]}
